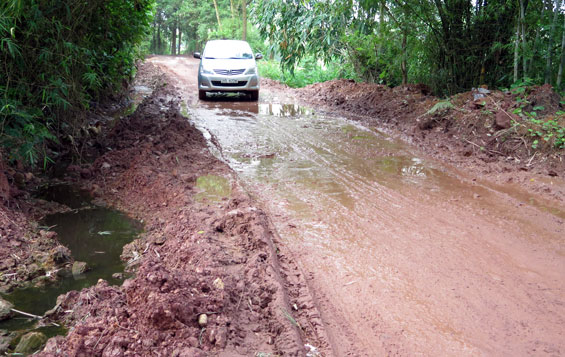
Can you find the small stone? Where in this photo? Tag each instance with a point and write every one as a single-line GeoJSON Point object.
{"type": "Point", "coordinates": [79, 268]}
{"type": "Point", "coordinates": [218, 284]}
{"type": "Point", "coordinates": [106, 165]}
{"type": "Point", "coordinates": [203, 320]}
{"type": "Point", "coordinates": [61, 255]}
{"type": "Point", "coordinates": [502, 120]}
{"type": "Point", "coordinates": [476, 196]}
{"type": "Point", "coordinates": [118, 276]}
{"type": "Point", "coordinates": [30, 343]}
{"type": "Point", "coordinates": [160, 240]}
{"type": "Point", "coordinates": [5, 309]}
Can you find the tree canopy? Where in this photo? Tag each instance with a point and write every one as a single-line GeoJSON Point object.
{"type": "Point", "coordinates": [451, 45]}
{"type": "Point", "coordinates": [57, 58]}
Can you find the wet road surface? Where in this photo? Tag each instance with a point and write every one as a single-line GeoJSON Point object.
{"type": "Point", "coordinates": [402, 254]}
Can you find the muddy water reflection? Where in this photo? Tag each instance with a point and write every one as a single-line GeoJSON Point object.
{"type": "Point", "coordinates": [95, 235]}
{"type": "Point", "coordinates": [381, 225]}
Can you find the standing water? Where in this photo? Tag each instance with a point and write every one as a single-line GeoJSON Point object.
{"type": "Point", "coordinates": [95, 235]}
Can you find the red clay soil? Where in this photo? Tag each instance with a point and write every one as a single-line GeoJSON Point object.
{"type": "Point", "coordinates": [475, 135]}
{"type": "Point", "coordinates": [197, 257]}
{"type": "Point", "coordinates": [27, 253]}
{"type": "Point", "coordinates": [220, 258]}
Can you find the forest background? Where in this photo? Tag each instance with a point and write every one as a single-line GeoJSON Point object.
{"type": "Point", "coordinates": [61, 58]}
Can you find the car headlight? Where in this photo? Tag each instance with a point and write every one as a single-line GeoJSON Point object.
{"type": "Point", "coordinates": [207, 70]}
{"type": "Point", "coordinates": [251, 70]}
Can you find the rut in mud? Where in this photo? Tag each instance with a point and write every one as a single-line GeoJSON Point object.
{"type": "Point", "coordinates": [403, 254]}
{"type": "Point", "coordinates": [281, 228]}
{"type": "Point", "coordinates": [207, 276]}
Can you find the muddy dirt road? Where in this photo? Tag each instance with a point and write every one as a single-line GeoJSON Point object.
{"type": "Point", "coordinates": [403, 255]}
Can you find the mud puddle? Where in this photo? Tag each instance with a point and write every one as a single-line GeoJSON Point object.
{"type": "Point", "coordinates": [95, 235]}
{"type": "Point", "coordinates": [292, 145]}
{"type": "Point", "coordinates": [392, 239]}
{"type": "Point", "coordinates": [137, 94]}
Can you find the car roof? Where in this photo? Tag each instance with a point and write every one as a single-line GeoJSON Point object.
{"type": "Point", "coordinates": [214, 44]}
{"type": "Point", "coordinates": [226, 41]}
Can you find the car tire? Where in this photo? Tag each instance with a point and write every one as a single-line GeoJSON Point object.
{"type": "Point", "coordinates": [254, 95]}
{"type": "Point", "coordinates": [202, 95]}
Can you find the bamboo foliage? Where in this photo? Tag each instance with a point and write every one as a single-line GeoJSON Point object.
{"type": "Point", "coordinates": [58, 57]}
{"type": "Point", "coordinates": [452, 45]}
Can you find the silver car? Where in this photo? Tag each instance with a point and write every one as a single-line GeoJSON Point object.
{"type": "Point", "coordinates": [228, 66]}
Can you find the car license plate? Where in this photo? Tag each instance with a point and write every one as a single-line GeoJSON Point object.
{"type": "Point", "coordinates": [229, 81]}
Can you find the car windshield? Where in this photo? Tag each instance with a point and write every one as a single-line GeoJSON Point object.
{"type": "Point", "coordinates": [228, 49]}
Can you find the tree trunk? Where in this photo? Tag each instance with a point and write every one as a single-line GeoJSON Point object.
{"type": "Point", "coordinates": [179, 41]}
{"type": "Point", "coordinates": [153, 46]}
{"type": "Point", "coordinates": [159, 43]}
{"type": "Point", "coordinates": [174, 40]}
{"type": "Point", "coordinates": [516, 51]}
{"type": "Point", "coordinates": [562, 64]}
{"type": "Point", "coordinates": [524, 44]}
{"type": "Point", "coordinates": [244, 17]}
{"type": "Point", "coordinates": [535, 45]}
{"type": "Point", "coordinates": [232, 9]}
{"type": "Point", "coordinates": [217, 14]}
{"type": "Point", "coordinates": [550, 44]}
{"type": "Point", "coordinates": [381, 28]}
{"type": "Point", "coordinates": [403, 65]}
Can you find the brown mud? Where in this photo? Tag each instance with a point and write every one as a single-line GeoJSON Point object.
{"type": "Point", "coordinates": [207, 251]}
{"type": "Point", "coordinates": [347, 248]}
{"type": "Point", "coordinates": [475, 135]}
{"type": "Point", "coordinates": [28, 253]}
{"type": "Point", "coordinates": [403, 254]}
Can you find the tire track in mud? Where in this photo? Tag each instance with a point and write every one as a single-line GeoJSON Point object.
{"type": "Point", "coordinates": [437, 268]}
{"type": "Point", "coordinates": [196, 258]}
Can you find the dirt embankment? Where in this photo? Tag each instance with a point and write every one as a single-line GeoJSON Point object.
{"type": "Point", "coordinates": [209, 277]}
{"type": "Point", "coordinates": [27, 252]}
{"type": "Point", "coordinates": [478, 131]}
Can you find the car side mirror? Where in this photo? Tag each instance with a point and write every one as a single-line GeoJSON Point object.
{"type": "Point", "coordinates": [258, 56]}
{"type": "Point", "coordinates": [196, 55]}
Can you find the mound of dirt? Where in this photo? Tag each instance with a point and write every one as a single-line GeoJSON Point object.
{"type": "Point", "coordinates": [475, 130]}
{"type": "Point", "coordinates": [207, 275]}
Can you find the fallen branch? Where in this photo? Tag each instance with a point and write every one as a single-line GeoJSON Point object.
{"type": "Point", "coordinates": [27, 314]}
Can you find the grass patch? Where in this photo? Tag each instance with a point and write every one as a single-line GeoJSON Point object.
{"type": "Point", "coordinates": [440, 106]}
{"type": "Point", "coordinates": [308, 72]}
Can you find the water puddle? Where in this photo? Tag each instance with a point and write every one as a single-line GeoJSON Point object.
{"type": "Point", "coordinates": [213, 188]}
{"type": "Point", "coordinates": [327, 169]}
{"type": "Point", "coordinates": [137, 94]}
{"type": "Point", "coordinates": [284, 110]}
{"type": "Point", "coordinates": [95, 235]}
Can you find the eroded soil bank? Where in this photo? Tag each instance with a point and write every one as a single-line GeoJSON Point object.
{"type": "Point", "coordinates": [208, 278]}
{"type": "Point", "coordinates": [479, 133]}
{"type": "Point", "coordinates": [377, 264]}
{"type": "Point", "coordinates": [404, 254]}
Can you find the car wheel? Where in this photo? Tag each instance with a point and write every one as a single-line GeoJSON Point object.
{"type": "Point", "coordinates": [202, 95]}
{"type": "Point", "coordinates": [254, 95]}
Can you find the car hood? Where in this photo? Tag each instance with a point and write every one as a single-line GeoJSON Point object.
{"type": "Point", "coordinates": [228, 63]}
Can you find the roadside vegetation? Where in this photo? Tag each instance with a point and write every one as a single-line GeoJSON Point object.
{"type": "Point", "coordinates": [59, 58]}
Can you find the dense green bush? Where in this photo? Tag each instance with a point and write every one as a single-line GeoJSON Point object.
{"type": "Point", "coordinates": [308, 72]}
{"type": "Point", "coordinates": [57, 57]}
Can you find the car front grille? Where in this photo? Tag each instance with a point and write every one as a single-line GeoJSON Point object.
{"type": "Point", "coordinates": [229, 72]}
{"type": "Point", "coordinates": [238, 84]}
